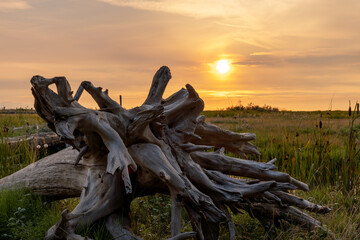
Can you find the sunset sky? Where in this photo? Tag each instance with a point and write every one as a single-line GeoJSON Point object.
{"type": "Point", "coordinates": [291, 54]}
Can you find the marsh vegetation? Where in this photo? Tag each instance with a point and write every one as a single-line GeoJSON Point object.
{"type": "Point", "coordinates": [319, 148]}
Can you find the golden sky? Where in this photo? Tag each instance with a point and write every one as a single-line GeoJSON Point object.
{"type": "Point", "coordinates": [291, 54]}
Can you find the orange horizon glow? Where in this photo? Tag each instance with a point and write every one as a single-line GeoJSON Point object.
{"type": "Point", "coordinates": [294, 55]}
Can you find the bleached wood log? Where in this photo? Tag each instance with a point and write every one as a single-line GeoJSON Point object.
{"type": "Point", "coordinates": [33, 140]}
{"type": "Point", "coordinates": [156, 147]}
{"type": "Point", "coordinates": [53, 176]}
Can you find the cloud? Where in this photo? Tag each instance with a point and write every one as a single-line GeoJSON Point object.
{"type": "Point", "coordinates": [200, 8]}
{"type": "Point", "coordinates": [260, 59]}
{"type": "Point", "coordinates": [231, 94]}
{"type": "Point", "coordinates": [326, 60]}
{"type": "Point", "coordinates": [273, 59]}
{"type": "Point", "coordinates": [14, 5]}
{"type": "Point", "coordinates": [189, 8]}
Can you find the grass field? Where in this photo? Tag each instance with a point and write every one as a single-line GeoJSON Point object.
{"type": "Point", "coordinates": [320, 148]}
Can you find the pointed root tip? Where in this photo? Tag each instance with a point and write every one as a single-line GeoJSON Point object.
{"type": "Point", "coordinates": [78, 158]}
{"type": "Point", "coordinates": [299, 184]}
{"type": "Point", "coordinates": [191, 91]}
{"type": "Point", "coordinates": [272, 161]}
{"type": "Point", "coordinates": [200, 119]}
{"type": "Point", "coordinates": [164, 71]}
{"type": "Point", "coordinates": [86, 85]}
{"type": "Point", "coordinates": [128, 189]}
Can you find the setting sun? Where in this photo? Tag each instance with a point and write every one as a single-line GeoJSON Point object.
{"type": "Point", "coordinates": [223, 66]}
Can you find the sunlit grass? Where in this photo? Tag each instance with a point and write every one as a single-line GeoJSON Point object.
{"type": "Point", "coordinates": [317, 156]}
{"type": "Point", "coordinates": [14, 157]}
{"type": "Point", "coordinates": [304, 149]}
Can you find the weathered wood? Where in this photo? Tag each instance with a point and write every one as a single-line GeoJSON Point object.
{"type": "Point", "coordinates": [158, 86]}
{"type": "Point", "coordinates": [289, 199]}
{"type": "Point", "coordinates": [119, 227]}
{"type": "Point", "coordinates": [157, 147]}
{"type": "Point", "coordinates": [212, 135]}
{"type": "Point", "coordinates": [243, 168]}
{"type": "Point", "coordinates": [63, 229]}
{"type": "Point", "coordinates": [54, 176]}
{"type": "Point", "coordinates": [40, 139]}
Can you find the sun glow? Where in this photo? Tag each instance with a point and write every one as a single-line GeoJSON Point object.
{"type": "Point", "coordinates": [223, 66]}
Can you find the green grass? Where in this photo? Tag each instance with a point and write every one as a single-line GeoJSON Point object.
{"type": "Point", "coordinates": [13, 158]}
{"type": "Point", "coordinates": [318, 156]}
{"type": "Point", "coordinates": [25, 216]}
{"type": "Point", "coordinates": [327, 156]}
{"type": "Point", "coordinates": [20, 124]}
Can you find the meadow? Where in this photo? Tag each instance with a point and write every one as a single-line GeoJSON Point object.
{"type": "Point", "coordinates": [319, 148]}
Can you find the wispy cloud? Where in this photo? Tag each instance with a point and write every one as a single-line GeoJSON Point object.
{"type": "Point", "coordinates": [276, 59]}
{"type": "Point", "coordinates": [234, 93]}
{"type": "Point", "coordinates": [327, 60]}
{"type": "Point", "coordinates": [259, 59]}
{"type": "Point", "coordinates": [13, 5]}
{"type": "Point", "coordinates": [201, 8]}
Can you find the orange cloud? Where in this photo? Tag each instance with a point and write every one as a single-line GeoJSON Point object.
{"type": "Point", "coordinates": [13, 5]}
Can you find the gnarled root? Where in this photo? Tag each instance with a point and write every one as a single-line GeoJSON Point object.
{"type": "Point", "coordinates": [157, 147]}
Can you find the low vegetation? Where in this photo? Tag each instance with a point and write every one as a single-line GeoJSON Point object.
{"type": "Point", "coordinates": [252, 107]}
{"type": "Point", "coordinates": [320, 148]}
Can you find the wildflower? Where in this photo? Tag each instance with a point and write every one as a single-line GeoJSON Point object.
{"type": "Point", "coordinates": [46, 146]}
{"type": "Point", "coordinates": [38, 146]}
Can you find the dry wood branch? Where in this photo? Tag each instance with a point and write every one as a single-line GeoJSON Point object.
{"type": "Point", "coordinates": [243, 168]}
{"type": "Point", "coordinates": [102, 98]}
{"type": "Point", "coordinates": [301, 203]}
{"type": "Point", "coordinates": [212, 135]}
{"type": "Point", "coordinates": [157, 147]}
{"type": "Point", "coordinates": [159, 83]}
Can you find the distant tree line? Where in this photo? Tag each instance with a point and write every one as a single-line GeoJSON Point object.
{"type": "Point", "coordinates": [253, 107]}
{"type": "Point", "coordinates": [19, 110]}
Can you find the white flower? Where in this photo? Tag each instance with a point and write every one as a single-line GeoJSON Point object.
{"type": "Point", "coordinates": [38, 146]}
{"type": "Point", "coordinates": [46, 146]}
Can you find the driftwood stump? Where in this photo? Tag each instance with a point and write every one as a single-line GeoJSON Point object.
{"type": "Point", "coordinates": [163, 146]}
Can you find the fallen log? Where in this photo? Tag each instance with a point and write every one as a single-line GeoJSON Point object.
{"type": "Point", "coordinates": [33, 140]}
{"type": "Point", "coordinates": [157, 147]}
{"type": "Point", "coordinates": [53, 176]}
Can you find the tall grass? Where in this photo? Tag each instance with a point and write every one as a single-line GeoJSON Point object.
{"type": "Point", "coordinates": [319, 148]}
{"type": "Point", "coordinates": [14, 157]}
{"type": "Point", "coordinates": [25, 216]}
{"type": "Point", "coordinates": [19, 124]}
{"type": "Point", "coordinates": [352, 149]}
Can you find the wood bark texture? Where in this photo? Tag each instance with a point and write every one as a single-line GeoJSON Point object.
{"type": "Point", "coordinates": [163, 146]}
